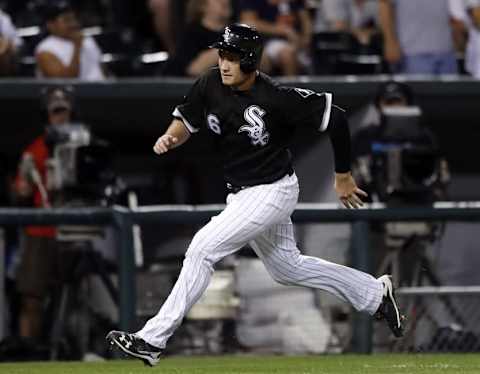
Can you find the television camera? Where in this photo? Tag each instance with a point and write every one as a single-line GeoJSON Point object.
{"type": "Point", "coordinates": [407, 166]}
{"type": "Point", "coordinates": [80, 167]}
{"type": "Point", "coordinates": [404, 167]}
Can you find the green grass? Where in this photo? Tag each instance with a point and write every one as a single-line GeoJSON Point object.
{"type": "Point", "coordinates": [332, 364]}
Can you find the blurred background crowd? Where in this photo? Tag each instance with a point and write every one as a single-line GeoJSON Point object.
{"type": "Point", "coordinates": [406, 70]}
{"type": "Point", "coordinates": [47, 38]}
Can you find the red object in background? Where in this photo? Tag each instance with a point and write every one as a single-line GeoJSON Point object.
{"type": "Point", "coordinates": [39, 152]}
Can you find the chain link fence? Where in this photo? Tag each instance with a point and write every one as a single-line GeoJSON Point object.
{"type": "Point", "coordinates": [439, 319]}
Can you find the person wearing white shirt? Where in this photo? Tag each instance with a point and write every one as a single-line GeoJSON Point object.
{"type": "Point", "coordinates": [66, 53]}
{"type": "Point", "coordinates": [468, 12]}
{"type": "Point", "coordinates": [359, 17]}
{"type": "Point", "coordinates": [417, 36]}
{"type": "Point", "coordinates": [9, 43]}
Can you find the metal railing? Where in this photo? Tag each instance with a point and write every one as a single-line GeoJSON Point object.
{"type": "Point", "coordinates": [123, 220]}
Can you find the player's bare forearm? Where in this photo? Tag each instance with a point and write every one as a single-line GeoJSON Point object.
{"type": "Point", "coordinates": [176, 135]}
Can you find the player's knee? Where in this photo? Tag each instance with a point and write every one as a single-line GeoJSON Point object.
{"type": "Point", "coordinates": [198, 258]}
{"type": "Point", "coordinates": [287, 273]}
{"type": "Point", "coordinates": [196, 253]}
{"type": "Point", "coordinates": [198, 244]}
{"type": "Point", "coordinates": [281, 278]}
{"type": "Point", "coordinates": [200, 251]}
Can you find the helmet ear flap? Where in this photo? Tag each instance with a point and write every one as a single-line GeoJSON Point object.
{"type": "Point", "coordinates": [248, 63]}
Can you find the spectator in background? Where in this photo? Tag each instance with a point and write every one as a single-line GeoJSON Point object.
{"type": "Point", "coordinates": [467, 13]}
{"type": "Point", "coordinates": [39, 267]}
{"type": "Point", "coordinates": [287, 26]}
{"type": "Point", "coordinates": [358, 17]}
{"type": "Point", "coordinates": [319, 21]}
{"type": "Point", "coordinates": [162, 12]}
{"type": "Point", "coordinates": [9, 44]}
{"type": "Point", "coordinates": [418, 36]}
{"type": "Point", "coordinates": [66, 53]}
{"type": "Point", "coordinates": [206, 21]}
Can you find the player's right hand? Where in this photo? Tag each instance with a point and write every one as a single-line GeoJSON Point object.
{"type": "Point", "coordinates": [164, 143]}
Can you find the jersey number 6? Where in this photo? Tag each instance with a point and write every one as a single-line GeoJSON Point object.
{"type": "Point", "coordinates": [214, 124]}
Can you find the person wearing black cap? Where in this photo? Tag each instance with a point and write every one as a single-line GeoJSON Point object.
{"type": "Point", "coordinates": [66, 53]}
{"type": "Point", "coordinates": [367, 127]}
{"type": "Point", "coordinates": [388, 94]}
{"type": "Point", "coordinates": [393, 93]}
{"type": "Point", "coordinates": [39, 264]}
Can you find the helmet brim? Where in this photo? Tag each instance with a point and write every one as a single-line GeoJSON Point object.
{"type": "Point", "coordinates": [227, 47]}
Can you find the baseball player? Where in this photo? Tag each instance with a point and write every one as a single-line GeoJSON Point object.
{"type": "Point", "coordinates": [253, 119]}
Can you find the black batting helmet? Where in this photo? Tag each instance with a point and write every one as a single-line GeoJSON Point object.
{"type": "Point", "coordinates": [244, 40]}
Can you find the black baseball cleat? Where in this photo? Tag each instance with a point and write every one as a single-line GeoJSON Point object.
{"type": "Point", "coordinates": [388, 309]}
{"type": "Point", "coordinates": [134, 346]}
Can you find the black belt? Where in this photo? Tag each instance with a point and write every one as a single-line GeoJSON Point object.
{"type": "Point", "coordinates": [234, 189]}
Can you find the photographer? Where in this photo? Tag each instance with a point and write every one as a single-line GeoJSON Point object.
{"type": "Point", "coordinates": [395, 153]}
{"type": "Point", "coordinates": [367, 125]}
{"type": "Point", "coordinates": [39, 266]}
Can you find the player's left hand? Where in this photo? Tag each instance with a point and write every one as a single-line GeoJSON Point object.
{"type": "Point", "coordinates": [348, 192]}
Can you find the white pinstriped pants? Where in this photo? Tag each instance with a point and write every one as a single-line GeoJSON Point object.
{"type": "Point", "coordinates": [258, 215]}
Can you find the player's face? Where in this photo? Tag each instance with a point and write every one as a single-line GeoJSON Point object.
{"type": "Point", "coordinates": [229, 64]}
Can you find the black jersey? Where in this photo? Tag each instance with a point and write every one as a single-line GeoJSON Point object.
{"type": "Point", "coordinates": [254, 127]}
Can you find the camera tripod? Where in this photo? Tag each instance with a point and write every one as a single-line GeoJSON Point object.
{"type": "Point", "coordinates": [410, 266]}
{"type": "Point", "coordinates": [73, 299]}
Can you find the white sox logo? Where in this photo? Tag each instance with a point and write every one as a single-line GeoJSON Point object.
{"type": "Point", "coordinates": [256, 128]}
